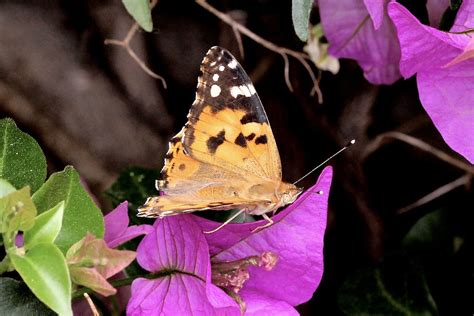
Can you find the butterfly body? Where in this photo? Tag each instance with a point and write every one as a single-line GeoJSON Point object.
{"type": "Point", "coordinates": [225, 157]}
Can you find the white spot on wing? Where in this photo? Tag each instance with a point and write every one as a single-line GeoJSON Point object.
{"type": "Point", "coordinates": [245, 90]}
{"type": "Point", "coordinates": [235, 91]}
{"type": "Point", "coordinates": [221, 68]}
{"type": "Point", "coordinates": [232, 64]}
{"type": "Point", "coordinates": [215, 91]}
{"type": "Point", "coordinates": [252, 89]}
{"type": "Point", "coordinates": [215, 77]}
{"type": "Point", "coordinates": [213, 63]}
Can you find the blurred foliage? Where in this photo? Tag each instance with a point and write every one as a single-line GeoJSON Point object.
{"type": "Point", "coordinates": [134, 185]}
{"type": "Point", "coordinates": [395, 287]}
{"type": "Point", "coordinates": [17, 300]}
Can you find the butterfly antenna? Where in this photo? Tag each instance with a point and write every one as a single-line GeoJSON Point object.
{"type": "Point", "coordinates": [352, 142]}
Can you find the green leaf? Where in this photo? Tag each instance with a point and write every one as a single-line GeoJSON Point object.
{"type": "Point", "coordinates": [44, 270]}
{"type": "Point", "coordinates": [438, 233]}
{"type": "Point", "coordinates": [5, 188]}
{"type": "Point", "coordinates": [431, 233]}
{"type": "Point", "coordinates": [46, 228]}
{"type": "Point", "coordinates": [22, 161]}
{"type": "Point", "coordinates": [17, 211]}
{"type": "Point", "coordinates": [396, 287]}
{"type": "Point", "coordinates": [81, 215]}
{"type": "Point", "coordinates": [300, 10]}
{"type": "Point", "coordinates": [140, 10]}
{"type": "Point", "coordinates": [134, 185]}
{"type": "Point", "coordinates": [17, 300]}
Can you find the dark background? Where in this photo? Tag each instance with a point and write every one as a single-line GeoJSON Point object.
{"type": "Point", "coordinates": [91, 106]}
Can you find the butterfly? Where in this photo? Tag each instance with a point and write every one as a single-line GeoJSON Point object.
{"type": "Point", "coordinates": [225, 156]}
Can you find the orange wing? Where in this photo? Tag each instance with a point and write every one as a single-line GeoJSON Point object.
{"type": "Point", "coordinates": [190, 185]}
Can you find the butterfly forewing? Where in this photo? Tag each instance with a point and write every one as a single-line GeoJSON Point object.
{"type": "Point", "coordinates": [227, 125]}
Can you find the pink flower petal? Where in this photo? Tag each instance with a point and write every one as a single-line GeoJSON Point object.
{"type": "Point", "coordinates": [176, 243]}
{"type": "Point", "coordinates": [376, 9]}
{"type": "Point", "coordinates": [374, 46]}
{"type": "Point", "coordinates": [467, 53]}
{"type": "Point", "coordinates": [177, 295]}
{"type": "Point", "coordinates": [178, 248]}
{"type": "Point", "coordinates": [423, 47]}
{"type": "Point", "coordinates": [258, 305]}
{"type": "Point", "coordinates": [444, 91]}
{"type": "Point", "coordinates": [296, 237]}
{"type": "Point", "coordinates": [445, 96]}
{"type": "Point", "coordinates": [221, 301]}
{"type": "Point", "coordinates": [116, 222]}
{"type": "Point", "coordinates": [117, 231]}
{"type": "Point", "coordinates": [130, 233]}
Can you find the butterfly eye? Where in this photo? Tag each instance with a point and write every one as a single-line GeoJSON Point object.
{"type": "Point", "coordinates": [285, 198]}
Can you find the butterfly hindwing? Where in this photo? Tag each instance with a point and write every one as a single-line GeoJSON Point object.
{"type": "Point", "coordinates": [227, 125]}
{"type": "Point", "coordinates": [184, 175]}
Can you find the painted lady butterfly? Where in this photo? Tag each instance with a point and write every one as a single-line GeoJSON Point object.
{"type": "Point", "coordinates": [225, 157]}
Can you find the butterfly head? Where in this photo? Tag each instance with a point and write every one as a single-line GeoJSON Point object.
{"type": "Point", "coordinates": [288, 193]}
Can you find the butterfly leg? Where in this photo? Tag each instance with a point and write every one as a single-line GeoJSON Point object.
{"type": "Point", "coordinates": [269, 223]}
{"type": "Point", "coordinates": [227, 221]}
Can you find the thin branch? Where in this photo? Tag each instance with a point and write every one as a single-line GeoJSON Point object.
{"type": "Point", "coordinates": [464, 180]}
{"type": "Point", "coordinates": [125, 43]}
{"type": "Point", "coordinates": [238, 38]}
{"type": "Point", "coordinates": [91, 304]}
{"type": "Point", "coordinates": [283, 51]}
{"type": "Point", "coordinates": [286, 70]}
{"type": "Point", "coordinates": [381, 139]}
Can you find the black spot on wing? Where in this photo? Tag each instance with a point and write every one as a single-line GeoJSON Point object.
{"type": "Point", "coordinates": [175, 140]}
{"type": "Point", "coordinates": [164, 175]}
{"type": "Point", "coordinates": [252, 117]}
{"type": "Point", "coordinates": [261, 139]}
{"type": "Point", "coordinates": [240, 140]}
{"type": "Point", "coordinates": [215, 141]}
{"type": "Point", "coordinates": [182, 167]}
{"type": "Point", "coordinates": [163, 183]}
{"type": "Point", "coordinates": [250, 136]}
